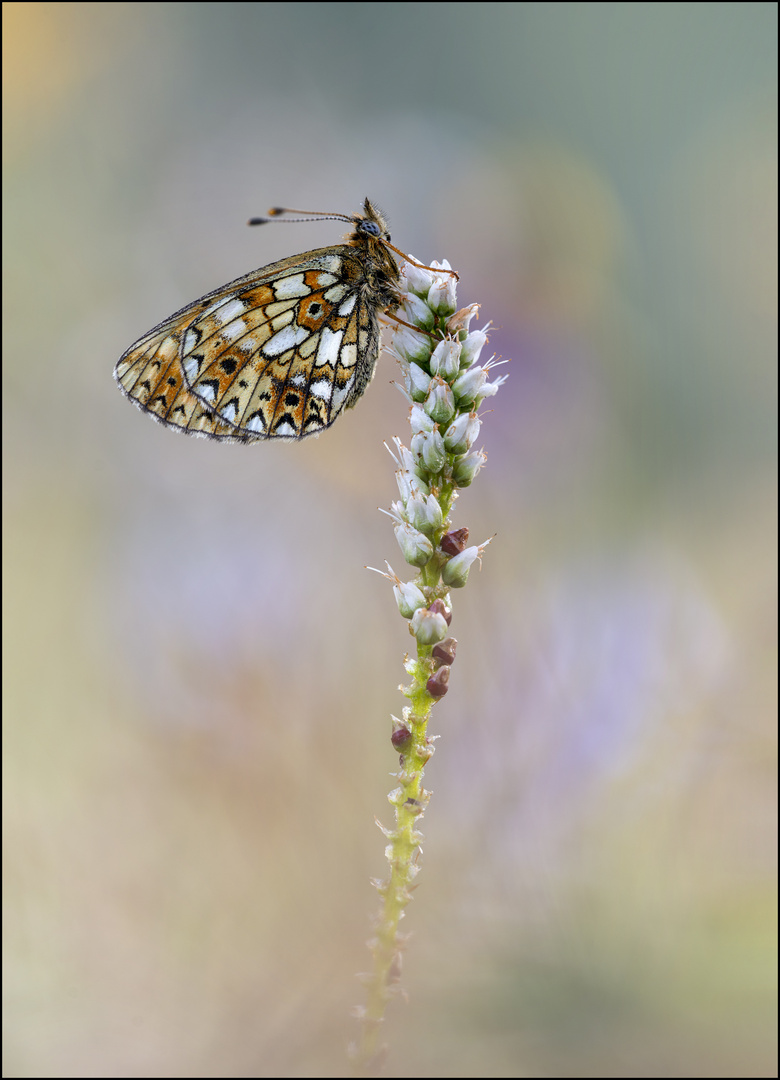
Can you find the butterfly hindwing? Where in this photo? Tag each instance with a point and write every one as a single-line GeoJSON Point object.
{"type": "Point", "coordinates": [151, 376]}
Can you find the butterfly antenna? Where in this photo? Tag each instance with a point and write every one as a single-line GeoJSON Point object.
{"type": "Point", "coordinates": [311, 215]}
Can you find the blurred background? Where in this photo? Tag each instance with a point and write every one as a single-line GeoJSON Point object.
{"type": "Point", "coordinates": [199, 671]}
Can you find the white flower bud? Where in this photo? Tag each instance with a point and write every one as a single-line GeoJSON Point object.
{"type": "Point", "coordinates": [411, 346]}
{"type": "Point", "coordinates": [445, 359]}
{"type": "Point", "coordinates": [408, 597]}
{"type": "Point", "coordinates": [429, 445]}
{"type": "Point", "coordinates": [466, 468]}
{"type": "Point", "coordinates": [428, 627]}
{"type": "Point", "coordinates": [461, 435]}
{"type": "Point", "coordinates": [417, 512]}
{"type": "Point", "coordinates": [433, 513]}
{"type": "Point", "coordinates": [418, 312]}
{"type": "Point", "coordinates": [468, 385]}
{"type": "Point", "coordinates": [441, 296]}
{"type": "Point", "coordinates": [456, 571]}
{"type": "Point", "coordinates": [418, 382]}
{"type": "Point", "coordinates": [419, 420]}
{"type": "Point", "coordinates": [440, 403]}
{"type": "Point", "coordinates": [417, 279]}
{"type": "Point", "coordinates": [415, 547]}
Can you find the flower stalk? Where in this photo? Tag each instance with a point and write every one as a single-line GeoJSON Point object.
{"type": "Point", "coordinates": [445, 386]}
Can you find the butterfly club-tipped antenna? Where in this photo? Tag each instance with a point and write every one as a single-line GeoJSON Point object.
{"type": "Point", "coordinates": [276, 214]}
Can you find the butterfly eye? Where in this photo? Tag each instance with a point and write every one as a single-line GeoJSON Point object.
{"type": "Point", "coordinates": [369, 227]}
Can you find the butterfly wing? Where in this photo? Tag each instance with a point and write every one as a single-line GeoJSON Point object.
{"type": "Point", "coordinates": [151, 376]}
{"type": "Point", "coordinates": [278, 353]}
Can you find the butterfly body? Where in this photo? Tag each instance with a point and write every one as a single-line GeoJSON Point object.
{"type": "Point", "coordinates": [277, 353]}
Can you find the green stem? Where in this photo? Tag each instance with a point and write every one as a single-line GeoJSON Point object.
{"type": "Point", "coordinates": [427, 486]}
{"type": "Point", "coordinates": [410, 799]}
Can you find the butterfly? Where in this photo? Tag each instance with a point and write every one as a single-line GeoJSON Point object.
{"type": "Point", "coordinates": [276, 354]}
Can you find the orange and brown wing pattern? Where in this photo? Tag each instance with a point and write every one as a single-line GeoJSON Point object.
{"type": "Point", "coordinates": [282, 357]}
{"type": "Point", "coordinates": [151, 376]}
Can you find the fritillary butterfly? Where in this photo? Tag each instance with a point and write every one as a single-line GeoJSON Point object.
{"type": "Point", "coordinates": [276, 354]}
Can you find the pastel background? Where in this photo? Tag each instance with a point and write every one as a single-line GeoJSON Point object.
{"type": "Point", "coordinates": [199, 671]}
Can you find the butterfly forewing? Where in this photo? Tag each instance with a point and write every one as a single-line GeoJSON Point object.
{"type": "Point", "coordinates": [278, 353]}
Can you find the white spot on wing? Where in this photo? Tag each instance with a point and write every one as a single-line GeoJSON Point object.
{"type": "Point", "coordinates": [231, 310]}
{"type": "Point", "coordinates": [236, 329]}
{"type": "Point", "coordinates": [348, 356]}
{"type": "Point", "coordinates": [191, 368]}
{"type": "Point", "coordinates": [298, 380]}
{"type": "Point", "coordinates": [287, 338]}
{"type": "Point", "coordinates": [326, 279]}
{"type": "Point", "coordinates": [291, 286]}
{"type": "Point", "coordinates": [191, 339]}
{"type": "Point", "coordinates": [328, 350]}
{"type": "Point", "coordinates": [255, 424]}
{"type": "Point", "coordinates": [285, 429]}
{"type": "Point", "coordinates": [322, 389]}
{"type": "Point", "coordinates": [205, 390]}
{"type": "Point", "coordinates": [336, 293]}
{"type": "Point", "coordinates": [348, 306]}
{"type": "Point", "coordinates": [229, 412]}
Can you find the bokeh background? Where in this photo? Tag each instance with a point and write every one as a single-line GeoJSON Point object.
{"type": "Point", "coordinates": [199, 671]}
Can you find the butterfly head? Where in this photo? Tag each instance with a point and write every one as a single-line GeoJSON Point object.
{"type": "Point", "coordinates": [370, 223]}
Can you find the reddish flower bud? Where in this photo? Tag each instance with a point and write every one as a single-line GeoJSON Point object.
{"type": "Point", "coordinates": [452, 543]}
{"type": "Point", "coordinates": [444, 652]}
{"type": "Point", "coordinates": [437, 684]}
{"type": "Point", "coordinates": [401, 737]}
